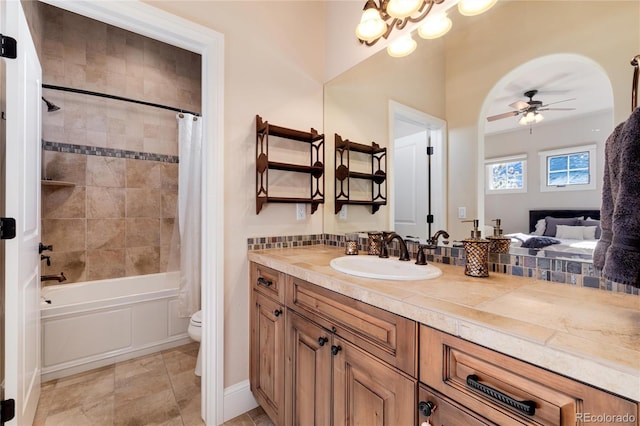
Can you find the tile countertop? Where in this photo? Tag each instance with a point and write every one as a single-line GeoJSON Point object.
{"type": "Point", "coordinates": [587, 334]}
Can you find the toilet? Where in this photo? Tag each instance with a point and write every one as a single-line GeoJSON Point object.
{"type": "Point", "coordinates": [195, 332]}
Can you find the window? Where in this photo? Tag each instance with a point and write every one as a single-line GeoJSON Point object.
{"type": "Point", "coordinates": [506, 175]}
{"type": "Point", "coordinates": [568, 169]}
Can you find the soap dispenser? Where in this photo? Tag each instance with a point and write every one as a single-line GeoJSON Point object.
{"type": "Point", "coordinates": [476, 250]}
{"type": "Point", "coordinates": [499, 243]}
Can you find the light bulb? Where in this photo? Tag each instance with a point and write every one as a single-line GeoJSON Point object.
{"type": "Point", "coordinates": [402, 46]}
{"type": "Point", "coordinates": [371, 25]}
{"type": "Point", "coordinates": [475, 7]}
{"type": "Point", "coordinates": [403, 8]}
{"type": "Point", "coordinates": [435, 27]}
{"type": "Point", "coordinates": [539, 117]}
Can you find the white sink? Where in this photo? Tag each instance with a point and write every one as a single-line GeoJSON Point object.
{"type": "Point", "coordinates": [384, 269]}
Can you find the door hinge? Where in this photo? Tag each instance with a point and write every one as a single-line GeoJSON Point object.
{"type": "Point", "coordinates": [429, 218]}
{"type": "Point", "coordinates": [7, 228]}
{"type": "Point", "coordinates": [429, 150]}
{"type": "Point", "coordinates": [8, 47]}
{"type": "Point", "coordinates": [7, 410]}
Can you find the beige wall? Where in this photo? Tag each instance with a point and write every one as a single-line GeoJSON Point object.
{"type": "Point", "coordinates": [117, 219]}
{"type": "Point", "coordinates": [608, 32]}
{"type": "Point", "coordinates": [274, 64]}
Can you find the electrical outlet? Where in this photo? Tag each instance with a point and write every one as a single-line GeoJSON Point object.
{"type": "Point", "coordinates": [343, 212]}
{"type": "Point", "coordinates": [462, 212]}
{"type": "Point", "coordinates": [301, 211]}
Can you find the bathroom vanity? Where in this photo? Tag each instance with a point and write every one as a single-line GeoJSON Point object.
{"type": "Point", "coordinates": [331, 348]}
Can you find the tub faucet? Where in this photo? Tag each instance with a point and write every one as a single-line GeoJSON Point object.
{"type": "Point", "coordinates": [60, 277]}
{"type": "Point", "coordinates": [432, 243]}
{"type": "Point", "coordinates": [387, 237]}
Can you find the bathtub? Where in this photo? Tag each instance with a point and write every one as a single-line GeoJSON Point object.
{"type": "Point", "coordinates": [96, 323]}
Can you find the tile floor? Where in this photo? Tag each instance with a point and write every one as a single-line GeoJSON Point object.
{"type": "Point", "coordinates": [156, 389]}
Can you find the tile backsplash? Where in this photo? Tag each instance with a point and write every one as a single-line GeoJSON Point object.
{"type": "Point", "coordinates": [562, 271]}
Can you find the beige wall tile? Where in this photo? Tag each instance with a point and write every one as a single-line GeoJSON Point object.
{"type": "Point", "coordinates": [142, 260]}
{"type": "Point", "coordinates": [65, 166]}
{"type": "Point", "coordinates": [71, 263]}
{"type": "Point", "coordinates": [169, 176]}
{"type": "Point", "coordinates": [169, 204]}
{"type": "Point", "coordinates": [143, 174]}
{"type": "Point", "coordinates": [63, 202]}
{"type": "Point", "coordinates": [142, 232]}
{"type": "Point", "coordinates": [105, 203]}
{"type": "Point", "coordinates": [105, 234]}
{"type": "Point", "coordinates": [105, 171]}
{"type": "Point", "coordinates": [64, 234]}
{"type": "Point", "coordinates": [167, 230]}
{"type": "Point", "coordinates": [103, 264]}
{"type": "Point", "coordinates": [142, 202]}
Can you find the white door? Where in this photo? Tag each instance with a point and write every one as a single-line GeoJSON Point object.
{"type": "Point", "coordinates": [21, 269]}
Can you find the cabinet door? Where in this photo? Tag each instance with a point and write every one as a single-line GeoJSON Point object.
{"type": "Point", "coordinates": [267, 355]}
{"type": "Point", "coordinates": [308, 373]}
{"type": "Point", "coordinates": [369, 392]}
{"type": "Point", "coordinates": [444, 412]}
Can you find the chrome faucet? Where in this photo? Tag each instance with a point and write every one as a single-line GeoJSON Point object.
{"type": "Point", "coordinates": [432, 243]}
{"type": "Point", "coordinates": [60, 277]}
{"type": "Point", "coordinates": [387, 237]}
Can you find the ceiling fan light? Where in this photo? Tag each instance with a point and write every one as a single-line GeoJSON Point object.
{"type": "Point", "coordinates": [538, 117]}
{"type": "Point", "coordinates": [402, 46]}
{"type": "Point", "coordinates": [371, 25]}
{"type": "Point", "coordinates": [475, 7]}
{"type": "Point", "coordinates": [403, 8]}
{"type": "Point", "coordinates": [523, 121]}
{"type": "Point", "coordinates": [435, 27]}
{"type": "Point", "coordinates": [530, 116]}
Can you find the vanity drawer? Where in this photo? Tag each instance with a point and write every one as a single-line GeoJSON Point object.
{"type": "Point", "coordinates": [445, 412]}
{"type": "Point", "coordinates": [508, 391]}
{"type": "Point", "coordinates": [388, 336]}
{"type": "Point", "coordinates": [268, 282]}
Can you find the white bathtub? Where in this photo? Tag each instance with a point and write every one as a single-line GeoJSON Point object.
{"type": "Point", "coordinates": [96, 323]}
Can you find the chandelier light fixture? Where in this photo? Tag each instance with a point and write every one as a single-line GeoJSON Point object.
{"type": "Point", "coordinates": [380, 17]}
{"type": "Point", "coordinates": [530, 118]}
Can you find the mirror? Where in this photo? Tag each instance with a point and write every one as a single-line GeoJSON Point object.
{"type": "Point", "coordinates": [458, 77]}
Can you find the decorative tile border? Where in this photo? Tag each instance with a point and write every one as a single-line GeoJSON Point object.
{"type": "Point", "coordinates": [562, 271]}
{"type": "Point", "coordinates": [106, 152]}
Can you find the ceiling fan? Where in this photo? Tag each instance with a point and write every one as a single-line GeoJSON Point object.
{"type": "Point", "coordinates": [530, 111]}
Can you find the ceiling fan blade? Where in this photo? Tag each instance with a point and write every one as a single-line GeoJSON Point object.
{"type": "Point", "coordinates": [556, 109]}
{"type": "Point", "coordinates": [557, 102]}
{"type": "Point", "coordinates": [503, 115]}
{"type": "Point", "coordinates": [519, 105]}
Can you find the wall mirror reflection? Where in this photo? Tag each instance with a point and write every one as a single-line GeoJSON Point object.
{"type": "Point", "coordinates": [578, 60]}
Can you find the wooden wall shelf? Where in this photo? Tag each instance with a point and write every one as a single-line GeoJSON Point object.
{"type": "Point", "coordinates": [315, 168]}
{"type": "Point", "coordinates": [377, 176]}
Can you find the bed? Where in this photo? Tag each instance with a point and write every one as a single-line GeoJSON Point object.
{"type": "Point", "coordinates": [571, 233]}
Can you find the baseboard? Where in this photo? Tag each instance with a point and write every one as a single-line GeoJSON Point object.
{"type": "Point", "coordinates": [238, 399]}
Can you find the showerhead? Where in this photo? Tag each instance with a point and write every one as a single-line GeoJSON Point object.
{"type": "Point", "coordinates": [50, 106]}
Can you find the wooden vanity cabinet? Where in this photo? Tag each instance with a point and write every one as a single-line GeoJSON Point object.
{"type": "Point", "coordinates": [267, 356]}
{"type": "Point", "coordinates": [508, 391]}
{"type": "Point", "coordinates": [331, 376]}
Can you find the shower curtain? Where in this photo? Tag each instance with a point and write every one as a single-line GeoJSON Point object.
{"type": "Point", "coordinates": [189, 211]}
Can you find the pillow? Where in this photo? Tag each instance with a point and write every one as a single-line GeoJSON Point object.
{"type": "Point", "coordinates": [570, 232]}
{"type": "Point", "coordinates": [539, 242]}
{"type": "Point", "coordinates": [553, 222]}
{"type": "Point", "coordinates": [592, 222]}
{"type": "Point", "coordinates": [589, 232]}
{"type": "Point", "coordinates": [540, 227]}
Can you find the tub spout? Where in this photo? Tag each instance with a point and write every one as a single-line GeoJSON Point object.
{"type": "Point", "coordinates": [60, 277]}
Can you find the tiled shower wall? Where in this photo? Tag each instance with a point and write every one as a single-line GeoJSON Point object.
{"type": "Point", "coordinates": [117, 218]}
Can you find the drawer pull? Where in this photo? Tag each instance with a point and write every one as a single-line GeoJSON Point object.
{"type": "Point", "coordinates": [265, 282]}
{"type": "Point", "coordinates": [277, 312]}
{"type": "Point", "coordinates": [527, 407]}
{"type": "Point", "coordinates": [322, 340]}
{"type": "Point", "coordinates": [335, 349]}
{"type": "Point", "coordinates": [426, 408]}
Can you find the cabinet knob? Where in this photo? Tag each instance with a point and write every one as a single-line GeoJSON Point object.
{"type": "Point", "coordinates": [277, 312]}
{"type": "Point", "coordinates": [335, 349]}
{"type": "Point", "coordinates": [426, 408]}
{"type": "Point", "coordinates": [322, 340]}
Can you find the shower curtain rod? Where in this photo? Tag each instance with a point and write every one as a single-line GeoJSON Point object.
{"type": "Point", "coordinates": [119, 98]}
